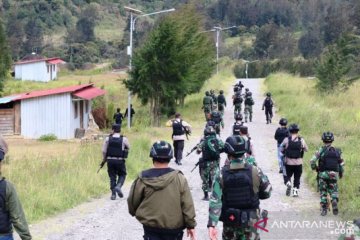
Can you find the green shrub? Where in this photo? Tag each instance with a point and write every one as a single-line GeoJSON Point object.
{"type": "Point", "coordinates": [48, 137]}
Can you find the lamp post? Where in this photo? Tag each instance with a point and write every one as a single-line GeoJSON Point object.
{"type": "Point", "coordinates": [247, 65]}
{"type": "Point", "coordinates": [133, 19]}
{"type": "Point", "coordinates": [218, 30]}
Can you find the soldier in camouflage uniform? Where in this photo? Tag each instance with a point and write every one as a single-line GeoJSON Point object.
{"type": "Point", "coordinates": [207, 104]}
{"type": "Point", "coordinates": [330, 168]}
{"type": "Point", "coordinates": [228, 202]}
{"type": "Point", "coordinates": [221, 102]}
{"type": "Point", "coordinates": [214, 98]}
{"type": "Point", "coordinates": [210, 147]}
{"type": "Point", "coordinates": [237, 102]}
{"type": "Point", "coordinates": [249, 159]}
{"type": "Point", "coordinates": [249, 102]}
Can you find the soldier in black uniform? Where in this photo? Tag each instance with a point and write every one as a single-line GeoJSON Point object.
{"type": "Point", "coordinates": [115, 151]}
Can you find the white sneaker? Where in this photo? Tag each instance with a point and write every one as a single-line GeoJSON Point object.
{"type": "Point", "coordinates": [295, 192]}
{"type": "Point", "coordinates": [288, 188]}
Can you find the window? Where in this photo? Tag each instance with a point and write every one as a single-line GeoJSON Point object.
{"type": "Point", "coordinates": [75, 109]}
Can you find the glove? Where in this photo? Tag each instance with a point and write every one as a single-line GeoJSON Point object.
{"type": "Point", "coordinates": [340, 175]}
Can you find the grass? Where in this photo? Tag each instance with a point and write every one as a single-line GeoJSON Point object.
{"type": "Point", "coordinates": [298, 100]}
{"type": "Point", "coordinates": [52, 176]}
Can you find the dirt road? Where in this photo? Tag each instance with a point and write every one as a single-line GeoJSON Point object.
{"type": "Point", "coordinates": [289, 218]}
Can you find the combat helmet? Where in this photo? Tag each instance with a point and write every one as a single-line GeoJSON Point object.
{"type": "Point", "coordinates": [235, 146]}
{"type": "Point", "coordinates": [327, 137]}
{"type": "Point", "coordinates": [161, 150]}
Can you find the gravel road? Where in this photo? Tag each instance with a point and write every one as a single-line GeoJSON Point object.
{"type": "Point", "coordinates": [289, 218]}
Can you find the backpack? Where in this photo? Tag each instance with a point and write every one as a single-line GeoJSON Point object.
{"type": "Point", "coordinates": [238, 99]}
{"type": "Point", "coordinates": [329, 161]}
{"type": "Point", "coordinates": [216, 117]}
{"type": "Point", "coordinates": [249, 101]}
{"type": "Point", "coordinates": [236, 128]}
{"type": "Point", "coordinates": [211, 148]}
{"type": "Point", "coordinates": [178, 128]}
{"type": "Point", "coordinates": [236, 88]}
{"type": "Point", "coordinates": [294, 149]}
{"type": "Point", "coordinates": [268, 102]}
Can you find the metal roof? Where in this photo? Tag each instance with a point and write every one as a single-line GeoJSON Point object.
{"type": "Point", "coordinates": [91, 92]}
{"type": "Point", "coordinates": [49, 60]}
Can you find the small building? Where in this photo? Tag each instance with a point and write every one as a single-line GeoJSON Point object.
{"type": "Point", "coordinates": [37, 68]}
{"type": "Point", "coordinates": [57, 111]}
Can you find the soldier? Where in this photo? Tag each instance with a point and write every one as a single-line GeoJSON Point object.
{"type": "Point", "coordinates": [11, 214]}
{"type": "Point", "coordinates": [221, 102]}
{"type": "Point", "coordinates": [115, 151]}
{"type": "Point", "coordinates": [330, 168]}
{"type": "Point", "coordinates": [237, 124]}
{"type": "Point", "coordinates": [180, 130]}
{"type": "Point", "coordinates": [293, 147]}
{"type": "Point", "coordinates": [207, 104]}
{"type": "Point", "coordinates": [249, 159]}
{"type": "Point", "coordinates": [268, 105]}
{"type": "Point", "coordinates": [281, 133]}
{"type": "Point", "coordinates": [214, 98]}
{"type": "Point", "coordinates": [244, 133]}
{"type": "Point", "coordinates": [240, 85]}
{"type": "Point", "coordinates": [161, 200]}
{"type": "Point", "coordinates": [216, 117]}
{"type": "Point", "coordinates": [118, 117]}
{"type": "Point", "coordinates": [237, 101]}
{"type": "Point", "coordinates": [210, 147]}
{"type": "Point", "coordinates": [249, 102]}
{"type": "Point", "coordinates": [235, 199]}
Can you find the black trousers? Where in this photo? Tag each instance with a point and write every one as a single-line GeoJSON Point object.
{"type": "Point", "coordinates": [162, 236]}
{"type": "Point", "coordinates": [268, 113]}
{"type": "Point", "coordinates": [178, 149]}
{"type": "Point", "coordinates": [117, 172]}
{"type": "Point", "coordinates": [295, 170]}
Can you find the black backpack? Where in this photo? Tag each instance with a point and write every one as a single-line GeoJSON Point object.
{"type": "Point", "coordinates": [238, 99]}
{"type": "Point", "coordinates": [249, 101]}
{"type": "Point", "coordinates": [268, 102]}
{"type": "Point", "coordinates": [216, 117]}
{"type": "Point", "coordinates": [294, 149]}
{"type": "Point", "coordinates": [178, 128]}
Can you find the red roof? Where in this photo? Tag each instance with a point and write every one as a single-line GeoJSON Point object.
{"type": "Point", "coordinates": [48, 60]}
{"type": "Point", "coordinates": [89, 93]}
{"type": "Point", "coordinates": [85, 91]}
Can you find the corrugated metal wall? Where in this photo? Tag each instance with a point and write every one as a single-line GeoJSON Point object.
{"type": "Point", "coordinates": [33, 72]}
{"type": "Point", "coordinates": [46, 115]}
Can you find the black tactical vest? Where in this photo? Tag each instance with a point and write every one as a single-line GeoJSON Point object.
{"type": "Point", "coordinates": [281, 134]}
{"type": "Point", "coordinates": [236, 128]}
{"type": "Point", "coordinates": [238, 192]}
{"type": "Point", "coordinates": [115, 147]}
{"type": "Point", "coordinates": [294, 149]}
{"type": "Point", "coordinates": [330, 160]}
{"type": "Point", "coordinates": [5, 224]}
{"type": "Point", "coordinates": [178, 128]}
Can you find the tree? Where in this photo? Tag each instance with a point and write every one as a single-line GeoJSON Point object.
{"type": "Point", "coordinates": [15, 35]}
{"type": "Point", "coordinates": [310, 44]}
{"type": "Point", "coordinates": [5, 58]}
{"type": "Point", "coordinates": [265, 39]}
{"type": "Point", "coordinates": [175, 61]}
{"type": "Point", "coordinates": [34, 36]}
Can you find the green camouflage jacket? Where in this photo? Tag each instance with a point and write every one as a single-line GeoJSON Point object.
{"type": "Point", "coordinates": [314, 163]}
{"type": "Point", "coordinates": [261, 185]}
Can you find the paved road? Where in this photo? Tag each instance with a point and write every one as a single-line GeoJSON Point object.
{"type": "Point", "coordinates": [289, 218]}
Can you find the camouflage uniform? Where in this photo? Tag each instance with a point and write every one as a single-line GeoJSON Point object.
{"type": "Point", "coordinates": [231, 232]}
{"type": "Point", "coordinates": [327, 179]}
{"type": "Point", "coordinates": [249, 102]}
{"type": "Point", "coordinates": [249, 159]}
{"type": "Point", "coordinates": [221, 103]}
{"type": "Point", "coordinates": [214, 98]}
{"type": "Point", "coordinates": [209, 168]}
{"type": "Point", "coordinates": [207, 106]}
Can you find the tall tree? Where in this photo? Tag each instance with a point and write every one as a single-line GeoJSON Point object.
{"type": "Point", "coordinates": [174, 62]}
{"type": "Point", "coordinates": [5, 58]}
{"type": "Point", "coordinates": [34, 36]}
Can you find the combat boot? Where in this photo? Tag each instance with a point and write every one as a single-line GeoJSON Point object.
{"type": "Point", "coordinates": [335, 207]}
{"type": "Point", "coordinates": [118, 191]}
{"type": "Point", "coordinates": [295, 192]}
{"type": "Point", "coordinates": [288, 188]}
{"type": "Point", "coordinates": [323, 211]}
{"type": "Point", "coordinates": [113, 195]}
{"type": "Point", "coordinates": [206, 196]}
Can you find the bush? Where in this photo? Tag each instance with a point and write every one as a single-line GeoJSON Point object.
{"type": "Point", "coordinates": [48, 137]}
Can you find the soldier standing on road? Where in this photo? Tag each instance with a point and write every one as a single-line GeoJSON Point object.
{"type": "Point", "coordinates": [237, 124]}
{"type": "Point", "coordinates": [11, 214]}
{"type": "Point", "coordinates": [118, 117]}
{"type": "Point", "coordinates": [210, 147]}
{"type": "Point", "coordinates": [281, 133]}
{"type": "Point", "coordinates": [221, 101]}
{"type": "Point", "coordinates": [160, 199]}
{"type": "Point", "coordinates": [293, 147]}
{"type": "Point", "coordinates": [180, 130]}
{"type": "Point", "coordinates": [237, 101]}
{"type": "Point", "coordinates": [236, 196]}
{"type": "Point", "coordinates": [115, 151]}
{"type": "Point", "coordinates": [207, 104]}
{"type": "Point", "coordinates": [216, 117]}
{"type": "Point", "coordinates": [268, 105]}
{"type": "Point", "coordinates": [249, 102]}
{"type": "Point", "coordinates": [330, 168]}
{"type": "Point", "coordinates": [214, 98]}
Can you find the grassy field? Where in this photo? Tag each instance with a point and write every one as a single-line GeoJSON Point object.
{"type": "Point", "coordinates": [51, 177]}
{"type": "Point", "coordinates": [297, 100]}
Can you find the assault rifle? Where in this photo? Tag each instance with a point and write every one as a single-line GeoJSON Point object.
{"type": "Point", "coordinates": [197, 164]}
{"type": "Point", "coordinates": [193, 149]}
{"type": "Point", "coordinates": [101, 165]}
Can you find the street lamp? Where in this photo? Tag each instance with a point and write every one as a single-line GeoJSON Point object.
{"type": "Point", "coordinates": [247, 65]}
{"type": "Point", "coordinates": [133, 19]}
{"type": "Point", "coordinates": [218, 30]}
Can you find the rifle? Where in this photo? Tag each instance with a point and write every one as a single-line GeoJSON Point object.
{"type": "Point", "coordinates": [317, 180]}
{"type": "Point", "coordinates": [197, 164]}
{"type": "Point", "coordinates": [193, 149]}
{"type": "Point", "coordinates": [101, 165]}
